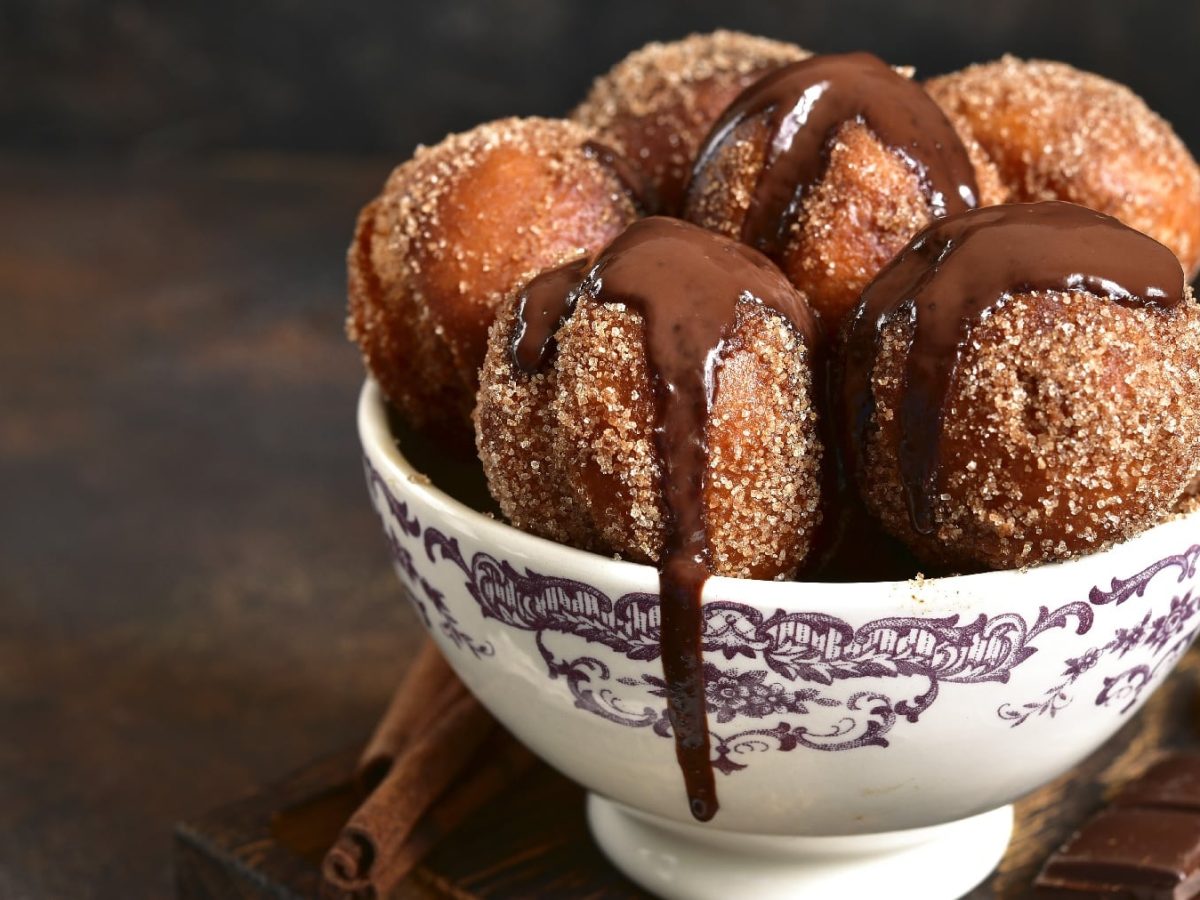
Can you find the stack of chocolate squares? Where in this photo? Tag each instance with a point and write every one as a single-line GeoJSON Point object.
{"type": "Point", "coordinates": [1144, 846]}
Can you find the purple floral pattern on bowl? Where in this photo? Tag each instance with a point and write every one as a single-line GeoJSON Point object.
{"type": "Point", "coordinates": [399, 525]}
{"type": "Point", "coordinates": [1161, 637]}
{"type": "Point", "coordinates": [766, 675]}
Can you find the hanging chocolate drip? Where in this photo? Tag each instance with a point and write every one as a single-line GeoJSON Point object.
{"type": "Point", "coordinates": [805, 102]}
{"type": "Point", "coordinates": [685, 283]}
{"type": "Point", "coordinates": [953, 274]}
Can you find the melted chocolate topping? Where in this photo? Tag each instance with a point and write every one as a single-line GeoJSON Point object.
{"type": "Point", "coordinates": [544, 305]}
{"type": "Point", "coordinates": [685, 283]}
{"type": "Point", "coordinates": [955, 273]}
{"type": "Point", "coordinates": [805, 102]}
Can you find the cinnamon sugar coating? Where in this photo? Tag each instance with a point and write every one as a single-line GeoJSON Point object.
{"type": "Point", "coordinates": [658, 103]}
{"type": "Point", "coordinates": [862, 211]}
{"type": "Point", "coordinates": [456, 229]}
{"type": "Point", "coordinates": [1071, 423]}
{"type": "Point", "coordinates": [1189, 502]}
{"type": "Point", "coordinates": [1056, 133]}
{"type": "Point", "coordinates": [569, 452]}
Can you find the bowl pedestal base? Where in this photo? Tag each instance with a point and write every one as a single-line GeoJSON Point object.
{"type": "Point", "coordinates": [679, 861]}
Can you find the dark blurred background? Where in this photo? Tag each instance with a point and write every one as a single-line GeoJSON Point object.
{"type": "Point", "coordinates": [160, 80]}
{"type": "Point", "coordinates": [194, 595]}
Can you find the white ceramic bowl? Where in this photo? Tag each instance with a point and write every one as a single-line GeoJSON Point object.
{"type": "Point", "coordinates": [861, 731]}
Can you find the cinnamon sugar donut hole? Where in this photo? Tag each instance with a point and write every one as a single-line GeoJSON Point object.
{"type": "Point", "coordinates": [863, 209]}
{"type": "Point", "coordinates": [1056, 133]}
{"type": "Point", "coordinates": [570, 454]}
{"type": "Point", "coordinates": [1072, 423]}
{"type": "Point", "coordinates": [454, 231]}
{"type": "Point", "coordinates": [658, 103]}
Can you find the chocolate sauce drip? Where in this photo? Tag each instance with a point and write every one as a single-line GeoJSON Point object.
{"type": "Point", "coordinates": [805, 102]}
{"type": "Point", "coordinates": [545, 303]}
{"type": "Point", "coordinates": [685, 283]}
{"type": "Point", "coordinates": [636, 187]}
{"type": "Point", "coordinates": [952, 275]}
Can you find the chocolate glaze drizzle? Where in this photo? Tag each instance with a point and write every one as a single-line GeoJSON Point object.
{"type": "Point", "coordinates": [685, 283]}
{"type": "Point", "coordinates": [953, 275]}
{"type": "Point", "coordinates": [805, 102]}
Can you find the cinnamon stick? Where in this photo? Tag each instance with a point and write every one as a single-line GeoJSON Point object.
{"type": "Point", "coordinates": [360, 863]}
{"type": "Point", "coordinates": [498, 765]}
{"type": "Point", "coordinates": [428, 686]}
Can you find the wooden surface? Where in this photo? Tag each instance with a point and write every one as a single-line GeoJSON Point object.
{"type": "Point", "coordinates": [194, 594]}
{"type": "Point", "coordinates": [532, 841]}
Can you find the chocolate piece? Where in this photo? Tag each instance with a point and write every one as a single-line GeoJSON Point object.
{"type": "Point", "coordinates": [955, 273]}
{"type": "Point", "coordinates": [1128, 854]}
{"type": "Point", "coordinates": [806, 102]}
{"type": "Point", "coordinates": [1173, 783]}
{"type": "Point", "coordinates": [685, 282]}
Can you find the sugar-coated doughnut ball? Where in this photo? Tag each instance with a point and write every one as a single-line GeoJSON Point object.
{"type": "Point", "coordinates": [570, 452]}
{"type": "Point", "coordinates": [1074, 424]}
{"type": "Point", "coordinates": [1056, 133]}
{"type": "Point", "coordinates": [455, 230]}
{"type": "Point", "coordinates": [996, 420]}
{"type": "Point", "coordinates": [658, 103]}
{"type": "Point", "coordinates": [865, 204]}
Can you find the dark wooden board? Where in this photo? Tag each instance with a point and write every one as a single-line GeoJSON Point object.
{"type": "Point", "coordinates": [532, 841]}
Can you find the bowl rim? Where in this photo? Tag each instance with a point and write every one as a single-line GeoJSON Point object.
{"type": "Point", "coordinates": [380, 443]}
